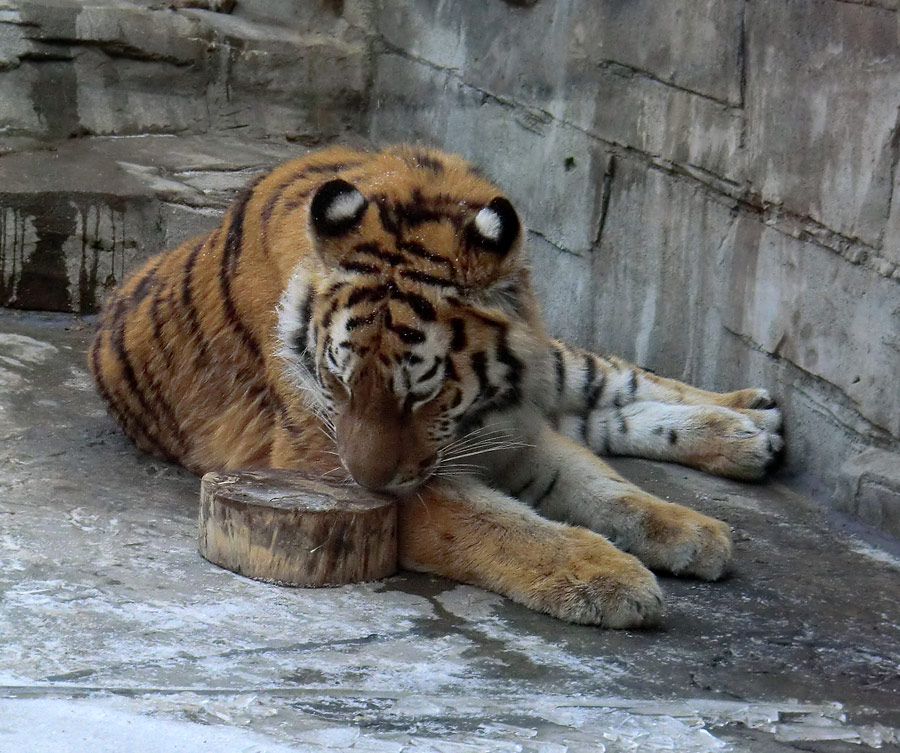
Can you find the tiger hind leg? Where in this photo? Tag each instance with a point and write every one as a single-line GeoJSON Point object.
{"type": "Point", "coordinates": [616, 408]}
{"type": "Point", "coordinates": [741, 444]}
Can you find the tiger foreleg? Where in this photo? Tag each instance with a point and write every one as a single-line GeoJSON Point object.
{"type": "Point", "coordinates": [565, 481]}
{"type": "Point", "coordinates": [471, 533]}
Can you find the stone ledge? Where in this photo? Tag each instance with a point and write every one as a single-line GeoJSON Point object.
{"type": "Point", "coordinates": [869, 489]}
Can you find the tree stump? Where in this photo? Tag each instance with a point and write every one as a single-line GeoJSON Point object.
{"type": "Point", "coordinates": [290, 528]}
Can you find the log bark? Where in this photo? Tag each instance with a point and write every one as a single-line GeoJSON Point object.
{"type": "Point", "coordinates": [290, 528]}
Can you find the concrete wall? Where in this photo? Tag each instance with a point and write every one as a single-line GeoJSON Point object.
{"type": "Point", "coordinates": [709, 185]}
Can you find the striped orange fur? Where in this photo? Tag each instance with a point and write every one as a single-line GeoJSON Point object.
{"type": "Point", "coordinates": [370, 315]}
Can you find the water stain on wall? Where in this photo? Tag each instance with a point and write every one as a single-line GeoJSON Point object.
{"type": "Point", "coordinates": [62, 253]}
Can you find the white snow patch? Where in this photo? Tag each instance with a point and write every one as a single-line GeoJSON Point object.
{"type": "Point", "coordinates": [18, 352]}
{"type": "Point", "coordinates": [873, 553]}
{"type": "Point", "coordinates": [49, 725]}
{"type": "Point", "coordinates": [478, 608]}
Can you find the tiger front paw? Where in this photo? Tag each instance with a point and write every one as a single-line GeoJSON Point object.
{"type": "Point", "coordinates": [599, 585]}
{"type": "Point", "coordinates": [683, 542]}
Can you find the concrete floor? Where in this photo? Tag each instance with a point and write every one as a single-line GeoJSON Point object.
{"type": "Point", "coordinates": [116, 636]}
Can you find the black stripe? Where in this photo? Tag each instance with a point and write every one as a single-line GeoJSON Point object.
{"type": "Point", "coordinates": [427, 162]}
{"type": "Point", "coordinates": [329, 315]}
{"type": "Point", "coordinates": [417, 249]}
{"type": "Point", "coordinates": [418, 303]}
{"type": "Point", "coordinates": [458, 340]}
{"type": "Point", "coordinates": [373, 249]}
{"type": "Point", "coordinates": [144, 285]}
{"type": "Point", "coordinates": [550, 487]}
{"type": "Point", "coordinates": [360, 268]}
{"type": "Point", "coordinates": [373, 293]}
{"type": "Point", "coordinates": [518, 491]}
{"type": "Point", "coordinates": [408, 335]}
{"type": "Point", "coordinates": [120, 411]}
{"type": "Point", "coordinates": [591, 374]}
{"type": "Point", "coordinates": [560, 370]}
{"type": "Point", "coordinates": [356, 322]}
{"type": "Point", "coordinates": [418, 211]}
{"type": "Point", "coordinates": [431, 372]}
{"type": "Point", "coordinates": [596, 392]}
{"type": "Point", "coordinates": [195, 332]}
{"type": "Point", "coordinates": [301, 338]}
{"type": "Point", "coordinates": [231, 252]}
{"type": "Point", "coordinates": [157, 323]}
{"type": "Point", "coordinates": [633, 384]}
{"type": "Point", "coordinates": [450, 370]}
{"type": "Point", "coordinates": [427, 279]}
{"type": "Point", "coordinates": [508, 359]}
{"type": "Point", "coordinates": [160, 411]}
{"type": "Point", "coordinates": [412, 398]}
{"type": "Point", "coordinates": [479, 366]}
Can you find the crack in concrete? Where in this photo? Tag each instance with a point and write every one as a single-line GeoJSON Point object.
{"type": "Point", "coordinates": [868, 4]}
{"type": "Point", "coordinates": [233, 653]}
{"type": "Point", "coordinates": [605, 195]}
{"type": "Point", "coordinates": [630, 71]}
{"type": "Point", "coordinates": [561, 249]}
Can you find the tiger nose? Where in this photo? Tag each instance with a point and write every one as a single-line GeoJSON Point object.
{"type": "Point", "coordinates": [373, 470]}
{"type": "Point", "coordinates": [370, 450]}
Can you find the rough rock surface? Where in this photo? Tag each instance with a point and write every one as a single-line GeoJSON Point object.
{"type": "Point", "coordinates": [709, 185]}
{"type": "Point", "coordinates": [116, 635]}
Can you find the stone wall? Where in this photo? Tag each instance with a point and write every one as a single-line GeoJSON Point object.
{"type": "Point", "coordinates": [709, 185]}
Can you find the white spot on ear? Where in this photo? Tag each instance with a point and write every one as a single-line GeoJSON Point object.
{"type": "Point", "coordinates": [346, 205]}
{"type": "Point", "coordinates": [487, 221]}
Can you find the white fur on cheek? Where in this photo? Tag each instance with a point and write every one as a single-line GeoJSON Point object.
{"type": "Point", "coordinates": [344, 206]}
{"type": "Point", "coordinates": [487, 221]}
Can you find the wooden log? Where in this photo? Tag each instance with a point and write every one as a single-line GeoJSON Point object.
{"type": "Point", "coordinates": [291, 528]}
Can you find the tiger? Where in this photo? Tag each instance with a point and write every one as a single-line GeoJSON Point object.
{"type": "Point", "coordinates": [368, 317]}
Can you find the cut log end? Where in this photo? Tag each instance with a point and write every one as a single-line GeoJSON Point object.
{"type": "Point", "coordinates": [290, 528]}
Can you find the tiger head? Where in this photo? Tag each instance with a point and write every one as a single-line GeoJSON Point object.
{"type": "Point", "coordinates": [412, 319]}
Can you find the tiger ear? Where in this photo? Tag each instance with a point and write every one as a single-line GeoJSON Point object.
{"type": "Point", "coordinates": [336, 208]}
{"type": "Point", "coordinates": [495, 228]}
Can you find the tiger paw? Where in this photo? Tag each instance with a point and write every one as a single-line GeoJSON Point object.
{"type": "Point", "coordinates": [683, 542]}
{"type": "Point", "coordinates": [754, 399]}
{"type": "Point", "coordinates": [742, 444]}
{"type": "Point", "coordinates": [599, 585]}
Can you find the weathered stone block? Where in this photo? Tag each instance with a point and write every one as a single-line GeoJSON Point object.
{"type": "Point", "coordinates": [869, 489]}
{"type": "Point", "coordinates": [692, 44]}
{"type": "Point", "coordinates": [835, 320]}
{"type": "Point", "coordinates": [659, 120]}
{"type": "Point", "coordinates": [553, 174]}
{"type": "Point", "coordinates": [121, 96]}
{"type": "Point", "coordinates": [822, 110]}
{"type": "Point", "coordinates": [655, 270]}
{"type": "Point", "coordinates": [549, 59]}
